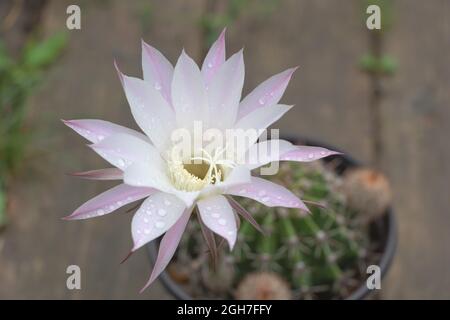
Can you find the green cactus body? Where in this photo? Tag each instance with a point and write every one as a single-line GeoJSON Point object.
{"type": "Point", "coordinates": [314, 253]}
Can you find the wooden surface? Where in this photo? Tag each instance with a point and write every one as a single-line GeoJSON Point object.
{"type": "Point", "coordinates": [326, 39]}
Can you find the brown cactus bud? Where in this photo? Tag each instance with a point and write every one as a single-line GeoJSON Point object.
{"type": "Point", "coordinates": [368, 192]}
{"type": "Point", "coordinates": [263, 286]}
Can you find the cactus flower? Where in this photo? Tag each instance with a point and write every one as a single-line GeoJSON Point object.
{"type": "Point", "coordinates": [171, 187]}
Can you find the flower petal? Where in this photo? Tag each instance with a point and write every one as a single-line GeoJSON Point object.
{"type": "Point", "coordinates": [109, 201]}
{"type": "Point", "coordinates": [168, 246]}
{"type": "Point", "coordinates": [217, 214]}
{"type": "Point", "coordinates": [267, 93]}
{"type": "Point", "coordinates": [262, 118]}
{"type": "Point", "coordinates": [147, 174]}
{"type": "Point", "coordinates": [97, 130]}
{"type": "Point", "coordinates": [188, 92]}
{"type": "Point", "coordinates": [265, 152]}
{"type": "Point", "coordinates": [268, 151]}
{"type": "Point", "coordinates": [268, 193]}
{"type": "Point", "coordinates": [239, 175]}
{"type": "Point", "coordinates": [224, 92]}
{"type": "Point", "coordinates": [214, 59]}
{"type": "Point", "coordinates": [122, 150]}
{"type": "Point", "coordinates": [307, 153]}
{"type": "Point", "coordinates": [157, 214]}
{"type": "Point", "coordinates": [157, 70]}
{"type": "Point", "coordinates": [150, 110]}
{"type": "Point", "coordinates": [100, 174]}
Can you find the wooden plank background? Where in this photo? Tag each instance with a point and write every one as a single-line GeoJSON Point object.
{"type": "Point", "coordinates": [326, 39]}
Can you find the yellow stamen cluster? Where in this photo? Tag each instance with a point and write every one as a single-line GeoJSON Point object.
{"type": "Point", "coordinates": [199, 172]}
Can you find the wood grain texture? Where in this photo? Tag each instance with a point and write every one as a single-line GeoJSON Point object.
{"type": "Point", "coordinates": [416, 117]}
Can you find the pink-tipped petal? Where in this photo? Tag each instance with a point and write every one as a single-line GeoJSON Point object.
{"type": "Point", "coordinates": [217, 214]}
{"type": "Point", "coordinates": [168, 246]}
{"type": "Point", "coordinates": [265, 152]}
{"type": "Point", "coordinates": [214, 59]}
{"type": "Point", "coordinates": [122, 150]}
{"type": "Point", "coordinates": [188, 93]}
{"type": "Point", "coordinates": [267, 93]}
{"type": "Point", "coordinates": [157, 70]}
{"type": "Point", "coordinates": [150, 110]}
{"type": "Point", "coordinates": [97, 130]}
{"type": "Point", "coordinates": [245, 214]}
{"type": "Point", "coordinates": [261, 119]}
{"type": "Point", "coordinates": [110, 201]}
{"type": "Point", "coordinates": [268, 193]}
{"type": "Point", "coordinates": [307, 153]}
{"type": "Point", "coordinates": [157, 214]}
{"type": "Point", "coordinates": [224, 92]}
{"type": "Point", "coordinates": [100, 174]}
{"type": "Point", "coordinates": [268, 151]}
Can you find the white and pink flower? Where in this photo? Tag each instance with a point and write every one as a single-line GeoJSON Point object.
{"type": "Point", "coordinates": [173, 98]}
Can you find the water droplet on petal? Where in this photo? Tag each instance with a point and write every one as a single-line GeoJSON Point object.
{"type": "Point", "coordinates": [120, 163]}
{"type": "Point", "coordinates": [160, 224]}
{"type": "Point", "coordinates": [210, 65]}
{"type": "Point", "coordinates": [222, 222]}
{"type": "Point", "coordinates": [262, 193]}
{"type": "Point", "coordinates": [167, 202]}
{"type": "Point", "coordinates": [215, 215]}
{"type": "Point", "coordinates": [261, 101]}
{"type": "Point", "coordinates": [100, 212]}
{"type": "Point", "coordinates": [157, 86]}
{"type": "Point", "coordinates": [311, 156]}
{"type": "Point", "coordinates": [147, 231]}
{"type": "Point", "coordinates": [162, 212]}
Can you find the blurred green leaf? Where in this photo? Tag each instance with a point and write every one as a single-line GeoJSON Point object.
{"type": "Point", "coordinates": [388, 65]}
{"type": "Point", "coordinates": [42, 54]}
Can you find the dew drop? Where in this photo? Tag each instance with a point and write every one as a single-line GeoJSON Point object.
{"type": "Point", "coordinates": [160, 224]}
{"type": "Point", "coordinates": [311, 156]}
{"type": "Point", "coordinates": [215, 215]}
{"type": "Point", "coordinates": [262, 193]}
{"type": "Point", "coordinates": [100, 212]}
{"type": "Point", "coordinates": [167, 202]}
{"type": "Point", "coordinates": [261, 101]}
{"type": "Point", "coordinates": [146, 231]}
{"type": "Point", "coordinates": [162, 212]}
{"type": "Point", "coordinates": [222, 222]}
{"type": "Point", "coordinates": [120, 163]}
{"type": "Point", "coordinates": [210, 65]}
{"type": "Point", "coordinates": [157, 86]}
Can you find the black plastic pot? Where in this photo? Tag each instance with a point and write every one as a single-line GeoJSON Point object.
{"type": "Point", "coordinates": [384, 230]}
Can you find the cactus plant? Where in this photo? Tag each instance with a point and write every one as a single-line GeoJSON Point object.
{"type": "Point", "coordinates": [320, 255]}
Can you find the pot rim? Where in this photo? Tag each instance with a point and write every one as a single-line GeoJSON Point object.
{"type": "Point", "coordinates": [362, 291]}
